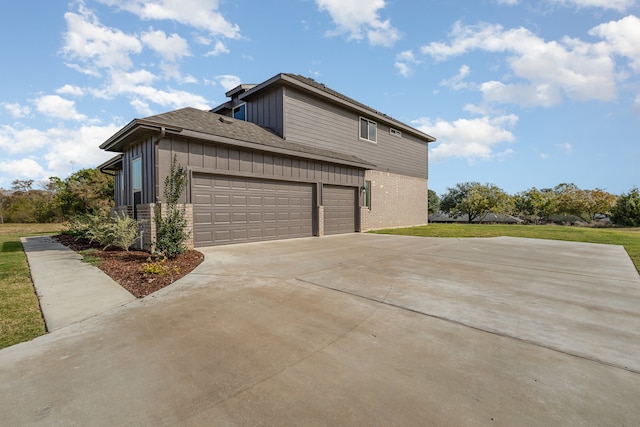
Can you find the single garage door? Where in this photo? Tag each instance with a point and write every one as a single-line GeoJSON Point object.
{"type": "Point", "coordinates": [237, 210]}
{"type": "Point", "coordinates": [339, 209]}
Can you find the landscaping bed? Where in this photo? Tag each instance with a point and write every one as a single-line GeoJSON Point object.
{"type": "Point", "coordinates": [137, 271]}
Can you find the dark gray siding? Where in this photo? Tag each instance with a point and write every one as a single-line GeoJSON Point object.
{"type": "Point", "coordinates": [312, 121]}
{"type": "Point", "coordinates": [206, 157]}
{"type": "Point", "coordinates": [145, 149]}
{"type": "Point", "coordinates": [266, 110]}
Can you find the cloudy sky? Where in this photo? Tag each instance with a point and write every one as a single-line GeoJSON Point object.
{"type": "Point", "coordinates": [518, 93]}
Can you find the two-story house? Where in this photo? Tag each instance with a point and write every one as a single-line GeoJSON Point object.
{"type": "Point", "coordinates": [285, 158]}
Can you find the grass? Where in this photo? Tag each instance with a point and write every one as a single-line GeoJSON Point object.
{"type": "Point", "coordinates": [89, 257]}
{"type": "Point", "coordinates": [20, 315]}
{"type": "Point", "coordinates": [627, 237]}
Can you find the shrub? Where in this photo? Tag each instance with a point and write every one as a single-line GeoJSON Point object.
{"type": "Point", "coordinates": [171, 224]}
{"type": "Point", "coordinates": [117, 230]}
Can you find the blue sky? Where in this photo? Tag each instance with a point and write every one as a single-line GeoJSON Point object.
{"type": "Point", "coordinates": [518, 94]}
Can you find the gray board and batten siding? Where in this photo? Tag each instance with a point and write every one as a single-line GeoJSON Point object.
{"type": "Point", "coordinates": [241, 195]}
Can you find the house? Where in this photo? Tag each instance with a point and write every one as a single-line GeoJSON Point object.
{"type": "Point", "coordinates": [487, 218]}
{"type": "Point", "coordinates": [285, 158]}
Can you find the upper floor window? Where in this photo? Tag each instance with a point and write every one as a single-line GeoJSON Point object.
{"type": "Point", "coordinates": [368, 129]}
{"type": "Point", "coordinates": [240, 112]}
{"type": "Point", "coordinates": [395, 132]}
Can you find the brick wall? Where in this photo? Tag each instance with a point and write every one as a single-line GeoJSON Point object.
{"type": "Point", "coordinates": [396, 201]}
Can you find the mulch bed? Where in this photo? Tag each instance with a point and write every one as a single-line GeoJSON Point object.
{"type": "Point", "coordinates": [127, 267]}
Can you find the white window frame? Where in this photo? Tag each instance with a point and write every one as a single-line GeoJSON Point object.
{"type": "Point", "coordinates": [395, 132]}
{"type": "Point", "coordinates": [370, 123]}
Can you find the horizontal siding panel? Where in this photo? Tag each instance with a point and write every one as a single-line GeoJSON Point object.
{"type": "Point", "coordinates": [313, 122]}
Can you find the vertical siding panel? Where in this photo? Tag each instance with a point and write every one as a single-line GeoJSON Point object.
{"type": "Point", "coordinates": [234, 160]}
{"type": "Point", "coordinates": [223, 158]}
{"type": "Point", "coordinates": [209, 156]}
{"type": "Point", "coordinates": [277, 166]}
{"type": "Point", "coordinates": [246, 161]}
{"type": "Point", "coordinates": [258, 163]}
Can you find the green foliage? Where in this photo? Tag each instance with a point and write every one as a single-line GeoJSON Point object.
{"type": "Point", "coordinates": [535, 206]}
{"type": "Point", "coordinates": [171, 220]}
{"type": "Point", "coordinates": [474, 200]}
{"type": "Point", "coordinates": [20, 315]}
{"type": "Point", "coordinates": [85, 191]}
{"type": "Point", "coordinates": [115, 230]}
{"type": "Point", "coordinates": [626, 211]}
{"type": "Point", "coordinates": [158, 268]}
{"type": "Point", "coordinates": [433, 202]}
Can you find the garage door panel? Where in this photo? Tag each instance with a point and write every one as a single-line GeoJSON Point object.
{"type": "Point", "coordinates": [245, 210]}
{"type": "Point", "coordinates": [339, 209]}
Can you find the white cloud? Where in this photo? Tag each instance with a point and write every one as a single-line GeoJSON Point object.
{"type": "Point", "coordinates": [96, 46]}
{"type": "Point", "coordinates": [545, 95]}
{"type": "Point", "coordinates": [141, 107]}
{"type": "Point", "coordinates": [508, 2]}
{"type": "Point", "coordinates": [360, 19]}
{"type": "Point", "coordinates": [577, 69]}
{"type": "Point", "coordinates": [169, 48]}
{"type": "Point", "coordinates": [70, 90]}
{"type": "Point", "coordinates": [622, 37]}
{"type": "Point", "coordinates": [39, 154]}
{"type": "Point", "coordinates": [457, 82]}
{"type": "Point", "coordinates": [469, 138]}
{"type": "Point", "coordinates": [199, 14]}
{"type": "Point", "coordinates": [404, 62]}
{"type": "Point", "coordinates": [14, 140]}
{"type": "Point", "coordinates": [228, 81]}
{"type": "Point", "coordinates": [17, 110]}
{"type": "Point", "coordinates": [218, 48]}
{"type": "Point", "coordinates": [619, 5]}
{"type": "Point", "coordinates": [57, 107]}
{"type": "Point", "coordinates": [21, 169]}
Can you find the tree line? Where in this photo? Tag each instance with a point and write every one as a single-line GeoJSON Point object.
{"type": "Point", "coordinates": [474, 201]}
{"type": "Point", "coordinates": [56, 200]}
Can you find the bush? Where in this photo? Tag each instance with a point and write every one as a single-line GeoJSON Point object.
{"type": "Point", "coordinates": [117, 230]}
{"type": "Point", "coordinates": [626, 211]}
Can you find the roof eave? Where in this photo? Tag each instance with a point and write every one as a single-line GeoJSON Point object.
{"type": "Point", "coordinates": [359, 163]}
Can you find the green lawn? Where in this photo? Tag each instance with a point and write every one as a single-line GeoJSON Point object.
{"type": "Point", "coordinates": [20, 316]}
{"type": "Point", "coordinates": [627, 237]}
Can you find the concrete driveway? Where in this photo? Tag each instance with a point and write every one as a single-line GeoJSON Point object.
{"type": "Point", "coordinates": [353, 330]}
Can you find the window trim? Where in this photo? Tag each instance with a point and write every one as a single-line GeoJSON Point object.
{"type": "Point", "coordinates": [369, 123]}
{"type": "Point", "coordinates": [395, 132]}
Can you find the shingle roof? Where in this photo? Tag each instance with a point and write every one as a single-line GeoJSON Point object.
{"type": "Point", "coordinates": [197, 122]}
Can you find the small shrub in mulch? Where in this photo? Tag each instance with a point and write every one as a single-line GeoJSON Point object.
{"type": "Point", "coordinates": [137, 271]}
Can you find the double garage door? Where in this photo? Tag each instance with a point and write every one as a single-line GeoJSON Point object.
{"type": "Point", "coordinates": [238, 210]}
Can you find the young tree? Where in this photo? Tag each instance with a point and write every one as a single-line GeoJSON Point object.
{"type": "Point", "coordinates": [433, 202]}
{"type": "Point", "coordinates": [171, 221]}
{"type": "Point", "coordinates": [626, 211]}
